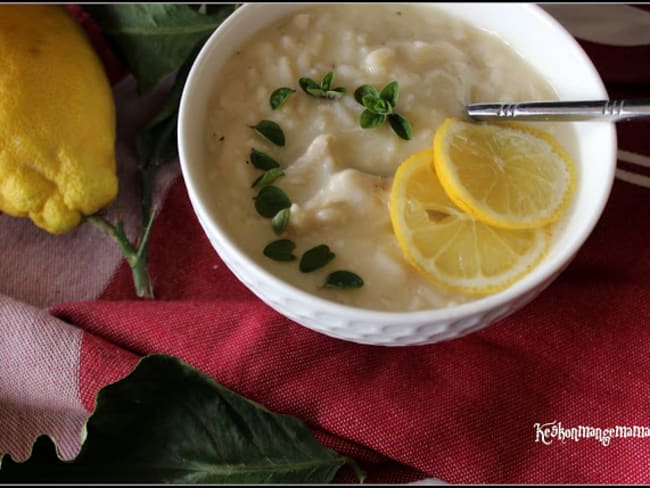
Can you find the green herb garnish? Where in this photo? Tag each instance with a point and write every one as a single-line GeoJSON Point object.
{"type": "Point", "coordinates": [390, 93]}
{"type": "Point", "coordinates": [316, 258]}
{"type": "Point", "coordinates": [279, 96]}
{"type": "Point", "coordinates": [401, 126]}
{"type": "Point", "coordinates": [364, 90]}
{"type": "Point", "coordinates": [370, 120]}
{"type": "Point", "coordinates": [262, 160]}
{"type": "Point", "coordinates": [271, 131]}
{"type": "Point", "coordinates": [280, 221]}
{"type": "Point", "coordinates": [343, 280]}
{"type": "Point", "coordinates": [280, 250]}
{"type": "Point", "coordinates": [270, 200]}
{"type": "Point", "coordinates": [377, 105]}
{"type": "Point", "coordinates": [322, 89]}
{"type": "Point", "coordinates": [269, 176]}
{"type": "Point", "coordinates": [380, 106]}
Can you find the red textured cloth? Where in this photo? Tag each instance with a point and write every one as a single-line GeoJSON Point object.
{"type": "Point", "coordinates": [463, 411]}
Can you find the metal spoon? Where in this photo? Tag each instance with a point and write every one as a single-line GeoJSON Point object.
{"type": "Point", "coordinates": [599, 110]}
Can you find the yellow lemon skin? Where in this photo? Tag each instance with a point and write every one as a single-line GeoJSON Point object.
{"type": "Point", "coordinates": [57, 143]}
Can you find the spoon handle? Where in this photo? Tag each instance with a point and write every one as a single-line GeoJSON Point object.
{"type": "Point", "coordinates": [599, 110]}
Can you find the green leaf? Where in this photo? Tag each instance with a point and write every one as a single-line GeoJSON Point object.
{"type": "Point", "coordinates": [327, 80]}
{"type": "Point", "coordinates": [401, 126]}
{"type": "Point", "coordinates": [268, 177]}
{"type": "Point", "coordinates": [315, 92]}
{"type": "Point", "coordinates": [376, 105]}
{"type": "Point", "coordinates": [43, 466]}
{"type": "Point", "coordinates": [322, 90]}
{"type": "Point", "coordinates": [156, 143]}
{"type": "Point", "coordinates": [154, 39]}
{"type": "Point", "coordinates": [370, 120]}
{"type": "Point", "coordinates": [271, 131]}
{"type": "Point", "coordinates": [364, 90]}
{"type": "Point", "coordinates": [343, 280]}
{"type": "Point", "coordinates": [280, 221]}
{"type": "Point", "coordinates": [270, 200]}
{"type": "Point", "coordinates": [210, 8]}
{"type": "Point", "coordinates": [279, 96]}
{"type": "Point", "coordinates": [390, 93]}
{"type": "Point", "coordinates": [167, 422]}
{"type": "Point", "coordinates": [309, 86]}
{"type": "Point", "coordinates": [280, 250]}
{"type": "Point", "coordinates": [336, 93]}
{"type": "Point", "coordinates": [262, 160]}
{"type": "Point", "coordinates": [316, 258]}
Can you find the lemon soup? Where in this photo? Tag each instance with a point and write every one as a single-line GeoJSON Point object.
{"type": "Point", "coordinates": [310, 121]}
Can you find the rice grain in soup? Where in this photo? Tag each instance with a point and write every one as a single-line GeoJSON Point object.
{"type": "Point", "coordinates": [338, 175]}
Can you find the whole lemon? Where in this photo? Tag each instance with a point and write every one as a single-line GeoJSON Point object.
{"type": "Point", "coordinates": [57, 114]}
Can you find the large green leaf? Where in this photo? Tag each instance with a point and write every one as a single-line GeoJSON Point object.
{"type": "Point", "coordinates": [166, 422]}
{"type": "Point", "coordinates": [156, 143]}
{"type": "Point", "coordinates": [154, 39]}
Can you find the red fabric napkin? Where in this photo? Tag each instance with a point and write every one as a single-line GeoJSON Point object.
{"type": "Point", "coordinates": [479, 409]}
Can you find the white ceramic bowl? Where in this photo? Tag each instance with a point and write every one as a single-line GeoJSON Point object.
{"type": "Point", "coordinates": [539, 39]}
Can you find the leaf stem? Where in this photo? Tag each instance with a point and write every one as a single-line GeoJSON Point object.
{"type": "Point", "coordinates": [358, 472]}
{"type": "Point", "coordinates": [135, 258]}
{"type": "Point", "coordinates": [147, 175]}
{"type": "Point", "coordinates": [142, 249]}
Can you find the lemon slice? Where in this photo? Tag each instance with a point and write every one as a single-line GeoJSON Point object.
{"type": "Point", "coordinates": [450, 247]}
{"type": "Point", "coordinates": [510, 176]}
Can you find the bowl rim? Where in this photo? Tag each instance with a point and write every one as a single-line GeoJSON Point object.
{"type": "Point", "coordinates": [541, 276]}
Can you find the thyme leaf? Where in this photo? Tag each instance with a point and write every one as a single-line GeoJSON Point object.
{"type": "Point", "coordinates": [271, 131]}
{"type": "Point", "coordinates": [316, 258]}
{"type": "Point", "coordinates": [262, 160]}
{"type": "Point", "coordinates": [323, 89]}
{"type": "Point", "coordinates": [343, 280]}
{"type": "Point", "coordinates": [370, 120]}
{"type": "Point", "coordinates": [378, 106]}
{"type": "Point", "coordinates": [270, 200]}
{"type": "Point", "coordinates": [279, 96]}
{"type": "Point", "coordinates": [280, 250]}
{"type": "Point", "coordinates": [280, 220]}
{"type": "Point", "coordinates": [269, 176]}
{"type": "Point", "coordinates": [401, 126]}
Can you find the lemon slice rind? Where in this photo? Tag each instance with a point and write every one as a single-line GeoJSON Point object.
{"type": "Point", "coordinates": [451, 248]}
{"type": "Point", "coordinates": [510, 176]}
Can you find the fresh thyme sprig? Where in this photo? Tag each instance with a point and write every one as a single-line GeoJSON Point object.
{"type": "Point", "coordinates": [380, 106]}
{"type": "Point", "coordinates": [323, 89]}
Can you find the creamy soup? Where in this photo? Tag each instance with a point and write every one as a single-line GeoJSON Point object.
{"type": "Point", "coordinates": [338, 175]}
